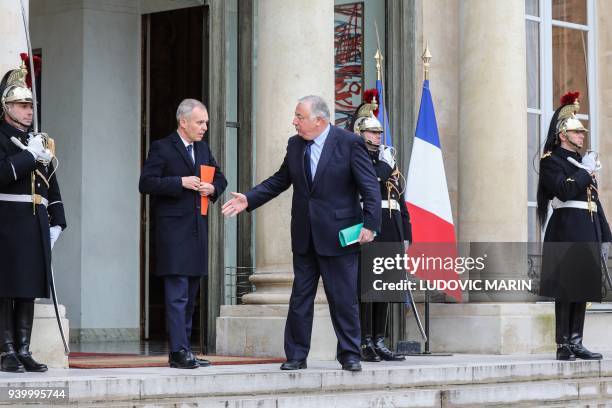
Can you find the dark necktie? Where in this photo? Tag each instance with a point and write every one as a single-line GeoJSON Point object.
{"type": "Point", "coordinates": [189, 149]}
{"type": "Point", "coordinates": [307, 169]}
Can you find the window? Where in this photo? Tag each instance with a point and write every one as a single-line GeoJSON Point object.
{"type": "Point", "coordinates": [560, 58]}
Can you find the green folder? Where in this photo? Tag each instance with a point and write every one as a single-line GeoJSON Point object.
{"type": "Point", "coordinates": [350, 235]}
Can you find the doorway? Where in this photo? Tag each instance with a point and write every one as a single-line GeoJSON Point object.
{"type": "Point", "coordinates": [172, 70]}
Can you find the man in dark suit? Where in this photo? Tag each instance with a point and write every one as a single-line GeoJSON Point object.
{"type": "Point", "coordinates": [329, 169]}
{"type": "Point", "coordinates": [171, 174]}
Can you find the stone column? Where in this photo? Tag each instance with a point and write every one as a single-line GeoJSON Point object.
{"type": "Point", "coordinates": [295, 58]}
{"type": "Point", "coordinates": [492, 122]}
{"type": "Point", "coordinates": [492, 136]}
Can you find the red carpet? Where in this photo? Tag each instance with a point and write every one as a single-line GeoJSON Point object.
{"type": "Point", "coordinates": [117, 360]}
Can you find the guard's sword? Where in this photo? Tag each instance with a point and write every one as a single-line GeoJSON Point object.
{"type": "Point", "coordinates": [605, 248]}
{"type": "Point", "coordinates": [57, 315]}
{"type": "Point", "coordinates": [410, 299]}
{"type": "Point", "coordinates": [35, 127]}
{"type": "Point", "coordinates": [31, 63]}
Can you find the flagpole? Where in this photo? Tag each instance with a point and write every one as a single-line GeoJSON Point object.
{"type": "Point", "coordinates": [426, 61]}
{"type": "Point", "coordinates": [426, 57]}
{"type": "Point", "coordinates": [380, 77]}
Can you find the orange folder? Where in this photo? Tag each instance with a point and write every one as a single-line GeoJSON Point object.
{"type": "Point", "coordinates": [207, 173]}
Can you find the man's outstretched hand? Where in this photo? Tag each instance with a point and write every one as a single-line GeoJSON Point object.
{"type": "Point", "coordinates": [236, 205]}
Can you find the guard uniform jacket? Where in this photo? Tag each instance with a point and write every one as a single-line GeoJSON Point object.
{"type": "Point", "coordinates": [571, 264]}
{"type": "Point", "coordinates": [395, 223]}
{"type": "Point", "coordinates": [25, 247]}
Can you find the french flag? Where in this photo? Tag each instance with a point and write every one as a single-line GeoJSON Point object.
{"type": "Point", "coordinates": [426, 193]}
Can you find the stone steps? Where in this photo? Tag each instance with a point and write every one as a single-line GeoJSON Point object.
{"type": "Point", "coordinates": [457, 381]}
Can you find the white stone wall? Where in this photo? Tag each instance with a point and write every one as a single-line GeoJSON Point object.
{"type": "Point", "coordinates": [12, 34]}
{"type": "Point", "coordinates": [91, 106]}
{"type": "Point", "coordinates": [603, 38]}
{"type": "Point", "coordinates": [492, 122]}
{"type": "Point", "coordinates": [60, 37]}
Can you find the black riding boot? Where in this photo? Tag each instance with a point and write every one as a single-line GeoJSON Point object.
{"type": "Point", "coordinates": [367, 345]}
{"type": "Point", "coordinates": [24, 318]}
{"type": "Point", "coordinates": [384, 352]}
{"type": "Point", "coordinates": [562, 331]}
{"type": "Point", "coordinates": [9, 361]}
{"type": "Point", "coordinates": [380, 313]}
{"type": "Point", "coordinates": [578, 311]}
{"type": "Point", "coordinates": [368, 352]}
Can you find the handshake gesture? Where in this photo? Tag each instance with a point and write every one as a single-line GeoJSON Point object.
{"type": "Point", "coordinates": [194, 183]}
{"type": "Point", "coordinates": [590, 162]}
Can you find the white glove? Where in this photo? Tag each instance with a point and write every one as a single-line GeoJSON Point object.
{"type": "Point", "coordinates": [406, 246]}
{"type": "Point", "coordinates": [54, 233]}
{"type": "Point", "coordinates": [589, 162]}
{"type": "Point", "coordinates": [36, 146]}
{"type": "Point", "coordinates": [386, 154]}
{"type": "Point", "coordinates": [45, 156]}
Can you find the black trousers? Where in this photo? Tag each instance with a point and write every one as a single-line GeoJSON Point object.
{"type": "Point", "coordinates": [180, 295]}
{"type": "Point", "coordinates": [569, 322]}
{"type": "Point", "coordinates": [339, 275]}
{"type": "Point", "coordinates": [373, 319]}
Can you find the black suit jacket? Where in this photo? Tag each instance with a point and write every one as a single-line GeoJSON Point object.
{"type": "Point", "coordinates": [344, 172]}
{"type": "Point", "coordinates": [181, 231]}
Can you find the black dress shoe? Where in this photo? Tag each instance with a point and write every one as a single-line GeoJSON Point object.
{"type": "Point", "coordinates": [581, 352]}
{"type": "Point", "coordinates": [293, 365]}
{"type": "Point", "coordinates": [368, 353]}
{"type": "Point", "coordinates": [201, 362]}
{"type": "Point", "coordinates": [182, 359]}
{"type": "Point", "coordinates": [351, 366]}
{"type": "Point", "coordinates": [384, 352]}
{"type": "Point", "coordinates": [11, 364]}
{"type": "Point", "coordinates": [565, 353]}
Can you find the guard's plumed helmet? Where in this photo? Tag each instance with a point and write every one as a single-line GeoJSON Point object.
{"type": "Point", "coordinates": [16, 84]}
{"type": "Point", "coordinates": [14, 87]}
{"type": "Point", "coordinates": [564, 120]}
{"type": "Point", "coordinates": [365, 116]}
{"type": "Point", "coordinates": [567, 115]}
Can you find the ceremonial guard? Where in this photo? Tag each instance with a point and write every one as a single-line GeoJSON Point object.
{"type": "Point", "coordinates": [395, 225]}
{"type": "Point", "coordinates": [574, 232]}
{"type": "Point", "coordinates": [31, 219]}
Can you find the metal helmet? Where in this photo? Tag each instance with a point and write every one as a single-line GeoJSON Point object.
{"type": "Point", "coordinates": [566, 120]}
{"type": "Point", "coordinates": [572, 124]}
{"type": "Point", "coordinates": [16, 89]}
{"type": "Point", "coordinates": [368, 123]}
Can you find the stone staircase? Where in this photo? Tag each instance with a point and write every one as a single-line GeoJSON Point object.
{"type": "Point", "coordinates": [456, 381]}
